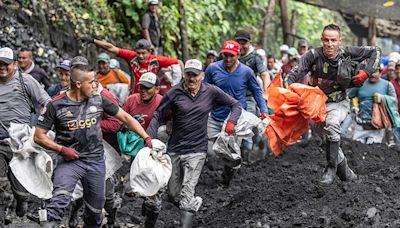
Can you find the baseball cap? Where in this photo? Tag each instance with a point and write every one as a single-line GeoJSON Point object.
{"type": "Point", "coordinates": [152, 2]}
{"type": "Point", "coordinates": [65, 65]}
{"type": "Point", "coordinates": [302, 43]}
{"type": "Point", "coordinates": [242, 35]}
{"type": "Point", "coordinates": [212, 52]}
{"type": "Point", "coordinates": [149, 80]}
{"type": "Point", "coordinates": [114, 64]}
{"type": "Point", "coordinates": [103, 57]}
{"type": "Point", "coordinates": [143, 44]}
{"type": "Point", "coordinates": [194, 66]}
{"type": "Point", "coordinates": [292, 51]}
{"type": "Point", "coordinates": [391, 65]}
{"type": "Point", "coordinates": [79, 60]}
{"type": "Point", "coordinates": [6, 55]}
{"type": "Point", "coordinates": [284, 48]}
{"type": "Point", "coordinates": [231, 46]}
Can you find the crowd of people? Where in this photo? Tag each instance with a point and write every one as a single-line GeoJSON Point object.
{"type": "Point", "coordinates": [196, 101]}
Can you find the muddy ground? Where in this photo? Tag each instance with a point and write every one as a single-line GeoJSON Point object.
{"type": "Point", "coordinates": [284, 192]}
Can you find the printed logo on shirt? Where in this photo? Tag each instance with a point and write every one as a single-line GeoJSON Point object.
{"type": "Point", "coordinates": [80, 124]}
{"type": "Point", "coordinates": [68, 114]}
{"type": "Point", "coordinates": [92, 109]}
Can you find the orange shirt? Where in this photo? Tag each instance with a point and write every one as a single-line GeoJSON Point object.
{"type": "Point", "coordinates": [112, 77]}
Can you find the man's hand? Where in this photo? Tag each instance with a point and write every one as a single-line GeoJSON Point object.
{"type": "Point", "coordinates": [87, 40]}
{"type": "Point", "coordinates": [147, 142]}
{"type": "Point", "coordinates": [378, 97]}
{"type": "Point", "coordinates": [263, 115]}
{"type": "Point", "coordinates": [69, 153]}
{"type": "Point", "coordinates": [359, 79]}
{"type": "Point", "coordinates": [230, 128]}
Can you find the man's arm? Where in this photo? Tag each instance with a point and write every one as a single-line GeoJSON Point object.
{"type": "Point", "coordinates": [106, 46]}
{"type": "Point", "coordinates": [262, 70]}
{"type": "Point", "coordinates": [36, 92]}
{"type": "Point", "coordinates": [391, 92]}
{"type": "Point", "coordinates": [41, 139]}
{"type": "Point", "coordinates": [166, 61]}
{"type": "Point", "coordinates": [266, 79]}
{"type": "Point", "coordinates": [160, 115]}
{"type": "Point", "coordinates": [256, 92]}
{"type": "Point", "coordinates": [145, 26]}
{"type": "Point", "coordinates": [224, 99]}
{"type": "Point", "coordinates": [131, 123]}
{"type": "Point", "coordinates": [299, 71]}
{"type": "Point", "coordinates": [359, 54]}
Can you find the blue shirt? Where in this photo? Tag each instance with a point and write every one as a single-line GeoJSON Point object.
{"type": "Point", "coordinates": [234, 84]}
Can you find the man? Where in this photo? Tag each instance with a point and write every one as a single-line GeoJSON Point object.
{"type": "Point", "coordinates": [210, 58]}
{"type": "Point", "coordinates": [323, 64]}
{"type": "Point", "coordinates": [293, 60]}
{"type": "Point", "coordinates": [141, 60]}
{"type": "Point", "coordinates": [151, 27]}
{"type": "Point", "coordinates": [234, 78]}
{"type": "Point", "coordinates": [27, 66]}
{"type": "Point", "coordinates": [106, 75]}
{"type": "Point", "coordinates": [271, 66]}
{"type": "Point", "coordinates": [76, 116]}
{"type": "Point", "coordinates": [144, 103]}
{"type": "Point", "coordinates": [18, 93]}
{"type": "Point", "coordinates": [250, 58]}
{"type": "Point", "coordinates": [370, 92]}
{"type": "Point", "coordinates": [190, 102]}
{"type": "Point", "coordinates": [302, 47]}
{"type": "Point", "coordinates": [63, 75]}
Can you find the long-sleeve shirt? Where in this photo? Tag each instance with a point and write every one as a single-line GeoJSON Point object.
{"type": "Point", "coordinates": [190, 116]}
{"type": "Point", "coordinates": [325, 71]}
{"type": "Point", "coordinates": [234, 84]}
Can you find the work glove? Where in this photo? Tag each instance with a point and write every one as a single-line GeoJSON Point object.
{"type": "Point", "coordinates": [378, 97]}
{"type": "Point", "coordinates": [263, 115]}
{"type": "Point", "coordinates": [147, 142]}
{"type": "Point", "coordinates": [69, 153]}
{"type": "Point", "coordinates": [359, 79]}
{"type": "Point", "coordinates": [230, 128]}
{"type": "Point", "coordinates": [87, 40]}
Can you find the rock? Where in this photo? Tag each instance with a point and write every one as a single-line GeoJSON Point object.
{"type": "Point", "coordinates": [379, 190]}
{"type": "Point", "coordinates": [347, 214]}
{"type": "Point", "coordinates": [324, 221]}
{"type": "Point", "coordinates": [286, 164]}
{"type": "Point", "coordinates": [371, 212]}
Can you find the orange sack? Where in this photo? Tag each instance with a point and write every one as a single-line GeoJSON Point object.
{"type": "Point", "coordinates": [293, 108]}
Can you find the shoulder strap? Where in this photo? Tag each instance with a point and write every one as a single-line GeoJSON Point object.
{"type": "Point", "coordinates": [27, 96]}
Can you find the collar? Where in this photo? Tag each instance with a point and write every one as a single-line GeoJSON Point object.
{"type": "Point", "coordinates": [29, 70]}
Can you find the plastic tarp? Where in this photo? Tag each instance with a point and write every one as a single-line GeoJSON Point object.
{"type": "Point", "coordinates": [119, 90]}
{"type": "Point", "coordinates": [392, 109]}
{"type": "Point", "coordinates": [151, 170]}
{"type": "Point", "coordinates": [30, 164]}
{"type": "Point", "coordinates": [293, 108]}
{"type": "Point", "coordinates": [129, 142]}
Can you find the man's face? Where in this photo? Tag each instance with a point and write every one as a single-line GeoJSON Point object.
{"type": "Point", "coordinates": [88, 86]}
{"type": "Point", "coordinates": [147, 94]}
{"type": "Point", "coordinates": [244, 46]}
{"type": "Point", "coordinates": [375, 77]}
{"type": "Point", "coordinates": [392, 74]}
{"type": "Point", "coordinates": [302, 50]}
{"type": "Point", "coordinates": [210, 59]}
{"type": "Point", "coordinates": [7, 70]}
{"type": "Point", "coordinates": [270, 63]}
{"type": "Point", "coordinates": [193, 81]}
{"type": "Point", "coordinates": [331, 41]}
{"type": "Point", "coordinates": [153, 8]}
{"type": "Point", "coordinates": [24, 59]}
{"type": "Point", "coordinates": [143, 55]}
{"type": "Point", "coordinates": [64, 77]}
{"type": "Point", "coordinates": [229, 59]}
{"type": "Point", "coordinates": [103, 67]}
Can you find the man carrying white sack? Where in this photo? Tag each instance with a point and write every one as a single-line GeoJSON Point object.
{"type": "Point", "coordinates": [190, 102]}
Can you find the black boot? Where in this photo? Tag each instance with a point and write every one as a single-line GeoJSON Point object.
{"type": "Point", "coordinates": [344, 172]}
{"type": "Point", "coordinates": [111, 217]}
{"type": "Point", "coordinates": [332, 151]}
{"type": "Point", "coordinates": [22, 207]}
{"type": "Point", "coordinates": [73, 217]}
{"type": "Point", "coordinates": [151, 219]}
{"type": "Point", "coordinates": [186, 219]}
{"type": "Point", "coordinates": [227, 176]}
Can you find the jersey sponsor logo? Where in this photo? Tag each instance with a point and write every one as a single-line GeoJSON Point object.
{"type": "Point", "coordinates": [68, 114]}
{"type": "Point", "coordinates": [92, 109]}
{"type": "Point", "coordinates": [80, 124]}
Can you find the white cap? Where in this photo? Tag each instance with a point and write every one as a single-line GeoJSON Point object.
{"type": "Point", "coordinates": [284, 48]}
{"type": "Point", "coordinates": [152, 2]}
{"type": "Point", "coordinates": [6, 55]}
{"type": "Point", "coordinates": [194, 66]}
{"type": "Point", "coordinates": [149, 80]}
{"type": "Point", "coordinates": [394, 57]}
{"type": "Point", "coordinates": [114, 64]}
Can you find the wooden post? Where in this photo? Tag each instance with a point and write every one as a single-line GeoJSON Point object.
{"type": "Point", "coordinates": [183, 31]}
{"type": "Point", "coordinates": [285, 20]}
{"type": "Point", "coordinates": [371, 31]}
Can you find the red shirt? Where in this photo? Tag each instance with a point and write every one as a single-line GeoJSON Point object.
{"type": "Point", "coordinates": [153, 64]}
{"type": "Point", "coordinates": [134, 106]}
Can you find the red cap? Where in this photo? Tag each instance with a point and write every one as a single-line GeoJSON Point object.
{"type": "Point", "coordinates": [231, 46]}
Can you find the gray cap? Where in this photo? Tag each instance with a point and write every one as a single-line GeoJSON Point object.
{"type": "Point", "coordinates": [65, 65]}
{"type": "Point", "coordinates": [79, 60]}
{"type": "Point", "coordinates": [6, 55]}
{"type": "Point", "coordinates": [212, 52]}
{"type": "Point", "coordinates": [302, 43]}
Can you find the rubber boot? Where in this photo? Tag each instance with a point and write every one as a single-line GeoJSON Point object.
{"type": "Point", "coordinates": [227, 176]}
{"type": "Point", "coordinates": [73, 217]}
{"type": "Point", "coordinates": [344, 172]}
{"type": "Point", "coordinates": [151, 219]}
{"type": "Point", "coordinates": [332, 151]}
{"type": "Point", "coordinates": [186, 219]}
{"type": "Point", "coordinates": [111, 217]}
{"type": "Point", "coordinates": [22, 207]}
